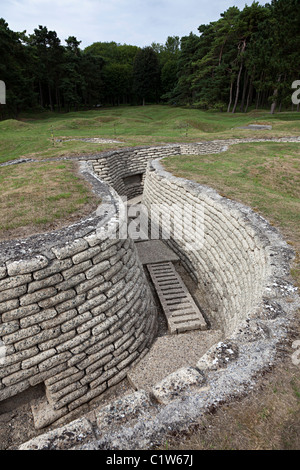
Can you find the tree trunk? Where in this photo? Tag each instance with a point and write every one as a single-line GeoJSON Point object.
{"type": "Point", "coordinates": [246, 80]}
{"type": "Point", "coordinates": [221, 52]}
{"type": "Point", "coordinates": [273, 105]}
{"type": "Point", "coordinates": [230, 97]}
{"type": "Point", "coordinates": [249, 97]}
{"type": "Point", "coordinates": [41, 94]}
{"type": "Point", "coordinates": [237, 89]}
{"type": "Point", "coordinates": [257, 99]}
{"type": "Point", "coordinates": [50, 97]}
{"type": "Point", "coordinates": [58, 98]}
{"type": "Point", "coordinates": [259, 90]}
{"type": "Point", "coordinates": [239, 78]}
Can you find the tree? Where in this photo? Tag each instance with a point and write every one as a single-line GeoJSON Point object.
{"type": "Point", "coordinates": [15, 70]}
{"type": "Point", "coordinates": [189, 49]}
{"type": "Point", "coordinates": [146, 75]}
{"type": "Point", "coordinates": [248, 57]}
{"type": "Point", "coordinates": [49, 57]}
{"type": "Point", "coordinates": [285, 62]}
{"type": "Point", "coordinates": [91, 68]}
{"type": "Point", "coordinates": [167, 54]}
{"type": "Point", "coordinates": [117, 70]}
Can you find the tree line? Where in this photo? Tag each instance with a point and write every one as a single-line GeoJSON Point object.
{"type": "Point", "coordinates": [247, 58]}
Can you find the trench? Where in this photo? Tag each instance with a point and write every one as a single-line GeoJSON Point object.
{"type": "Point", "coordinates": [235, 275]}
{"type": "Point", "coordinates": [227, 275]}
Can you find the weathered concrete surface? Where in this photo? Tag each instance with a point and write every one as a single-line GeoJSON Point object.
{"type": "Point", "coordinates": [44, 414]}
{"type": "Point", "coordinates": [218, 356]}
{"type": "Point", "coordinates": [256, 127]}
{"type": "Point", "coordinates": [155, 251]}
{"type": "Point", "coordinates": [178, 384]}
{"type": "Point", "coordinates": [129, 407]}
{"type": "Point", "coordinates": [68, 436]}
{"type": "Point", "coordinates": [169, 353]}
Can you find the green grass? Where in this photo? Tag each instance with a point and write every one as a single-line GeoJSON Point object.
{"type": "Point", "coordinates": [253, 169]}
{"type": "Point", "coordinates": [36, 197]}
{"type": "Point", "coordinates": [264, 176]}
{"type": "Point", "coordinates": [261, 421]}
{"type": "Point", "coordinates": [34, 135]}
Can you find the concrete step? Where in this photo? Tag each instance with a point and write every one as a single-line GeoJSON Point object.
{"type": "Point", "coordinates": [168, 354]}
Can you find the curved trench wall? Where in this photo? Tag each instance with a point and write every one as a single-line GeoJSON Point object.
{"type": "Point", "coordinates": [232, 268]}
{"type": "Point", "coordinates": [230, 264]}
{"type": "Point", "coordinates": [125, 169]}
{"type": "Point", "coordinates": [76, 309]}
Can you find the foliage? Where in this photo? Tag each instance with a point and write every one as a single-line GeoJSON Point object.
{"type": "Point", "coordinates": [146, 75]}
{"type": "Point", "coordinates": [247, 58]}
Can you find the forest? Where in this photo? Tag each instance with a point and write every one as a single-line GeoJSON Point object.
{"type": "Point", "coordinates": [246, 59]}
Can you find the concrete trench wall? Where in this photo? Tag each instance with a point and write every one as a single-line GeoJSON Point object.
{"type": "Point", "coordinates": [232, 267]}
{"type": "Point", "coordinates": [230, 263]}
{"type": "Point", "coordinates": [76, 310]}
{"type": "Point", "coordinates": [118, 166]}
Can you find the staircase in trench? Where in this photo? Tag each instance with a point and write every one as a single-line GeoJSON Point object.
{"type": "Point", "coordinates": [188, 335]}
{"type": "Point", "coordinates": [181, 312]}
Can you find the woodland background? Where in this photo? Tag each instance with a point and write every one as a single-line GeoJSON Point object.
{"type": "Point", "coordinates": [247, 59]}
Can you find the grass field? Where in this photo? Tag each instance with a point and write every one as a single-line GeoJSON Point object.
{"type": "Point", "coordinates": [41, 197]}
{"type": "Point", "coordinates": [45, 136]}
{"type": "Point", "coordinates": [264, 176]}
{"type": "Point", "coordinates": [35, 135]}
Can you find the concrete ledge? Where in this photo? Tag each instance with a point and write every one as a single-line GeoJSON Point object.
{"type": "Point", "coordinates": [179, 384]}
{"type": "Point", "coordinates": [68, 436]}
